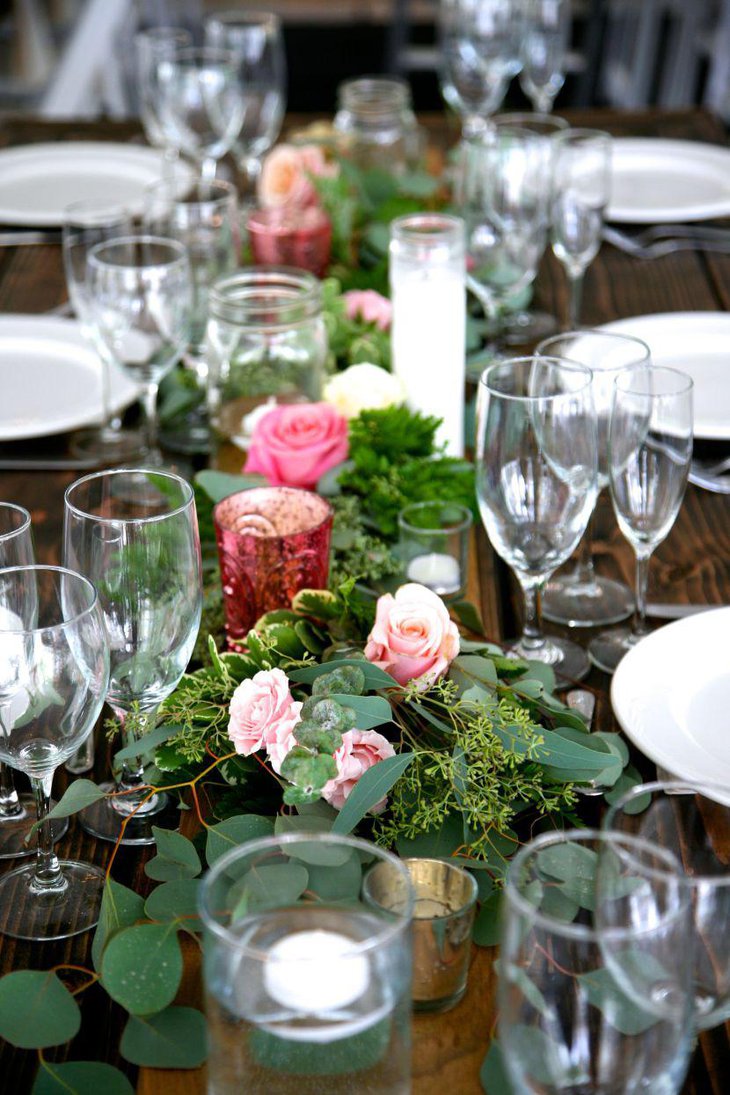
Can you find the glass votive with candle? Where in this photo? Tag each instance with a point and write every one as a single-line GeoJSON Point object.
{"type": "Point", "coordinates": [272, 542]}
{"type": "Point", "coordinates": [444, 908]}
{"type": "Point", "coordinates": [434, 545]}
{"type": "Point", "coordinates": [307, 987]}
{"type": "Point", "coordinates": [291, 237]}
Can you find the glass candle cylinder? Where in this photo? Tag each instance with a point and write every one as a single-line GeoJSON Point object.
{"type": "Point", "coordinates": [272, 542]}
{"type": "Point", "coordinates": [377, 125]}
{"type": "Point", "coordinates": [428, 290]}
{"type": "Point", "coordinates": [434, 545]}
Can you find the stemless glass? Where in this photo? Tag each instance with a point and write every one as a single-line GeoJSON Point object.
{"type": "Point", "coordinates": [544, 48]}
{"type": "Point", "coordinates": [593, 989]}
{"type": "Point", "coordinates": [140, 301]}
{"type": "Point", "coordinates": [536, 482]}
{"type": "Point", "coordinates": [584, 598]}
{"type": "Point", "coordinates": [54, 671]}
{"type": "Point", "coordinates": [649, 452]}
{"type": "Point", "coordinates": [581, 193]}
{"type": "Point", "coordinates": [150, 47]}
{"type": "Point", "coordinates": [135, 534]}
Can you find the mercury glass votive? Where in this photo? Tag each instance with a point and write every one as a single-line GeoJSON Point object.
{"type": "Point", "coordinates": [272, 542]}
{"type": "Point", "coordinates": [434, 545]}
{"type": "Point", "coordinates": [291, 237]}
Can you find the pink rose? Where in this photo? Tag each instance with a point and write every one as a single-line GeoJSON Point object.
{"type": "Point", "coordinates": [369, 306]}
{"type": "Point", "coordinates": [413, 637]}
{"type": "Point", "coordinates": [263, 714]}
{"type": "Point", "coordinates": [296, 443]}
{"type": "Point", "coordinates": [285, 176]}
{"type": "Point", "coordinates": [360, 750]}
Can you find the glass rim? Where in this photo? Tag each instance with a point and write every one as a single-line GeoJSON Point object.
{"type": "Point", "coordinates": [565, 364]}
{"type": "Point", "coordinates": [22, 527]}
{"type": "Point", "coordinates": [523, 119]}
{"type": "Point", "coordinates": [181, 255]}
{"type": "Point", "coordinates": [80, 578]}
{"type": "Point", "coordinates": [243, 18]}
{"type": "Point", "coordinates": [589, 332]}
{"type": "Point", "coordinates": [684, 381]}
{"type": "Point", "coordinates": [254, 282]}
{"type": "Point", "coordinates": [273, 843]}
{"type": "Point", "coordinates": [472, 884]}
{"type": "Point", "coordinates": [427, 228]}
{"type": "Point", "coordinates": [583, 133]}
{"type": "Point", "coordinates": [461, 525]}
{"type": "Point", "coordinates": [163, 34]}
{"type": "Point", "coordinates": [328, 516]}
{"type": "Point", "coordinates": [167, 188]}
{"type": "Point", "coordinates": [92, 206]}
{"type": "Point", "coordinates": [107, 473]}
{"type": "Point", "coordinates": [583, 932]}
{"type": "Point", "coordinates": [202, 55]}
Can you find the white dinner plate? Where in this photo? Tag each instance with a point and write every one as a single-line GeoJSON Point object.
{"type": "Point", "coordinates": [697, 343]}
{"type": "Point", "coordinates": [38, 181]}
{"type": "Point", "coordinates": [50, 378]}
{"type": "Point", "coordinates": [671, 696]}
{"type": "Point", "coordinates": [653, 180]}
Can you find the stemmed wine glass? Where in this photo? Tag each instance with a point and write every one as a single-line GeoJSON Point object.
{"type": "Point", "coordinates": [140, 300]}
{"type": "Point", "coordinates": [649, 453]}
{"type": "Point", "coordinates": [152, 46]}
{"type": "Point", "coordinates": [135, 534]}
{"type": "Point", "coordinates": [581, 193]}
{"type": "Point", "coordinates": [583, 598]}
{"type": "Point", "coordinates": [54, 672]}
{"type": "Point", "coordinates": [544, 48]}
{"type": "Point", "coordinates": [536, 482]}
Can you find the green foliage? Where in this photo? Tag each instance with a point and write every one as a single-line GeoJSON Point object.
{"type": "Point", "coordinates": [175, 901]}
{"type": "Point", "coordinates": [233, 832]}
{"type": "Point", "coordinates": [373, 786]}
{"type": "Point", "coordinates": [78, 795]}
{"type": "Point", "coordinates": [37, 1010]}
{"type": "Point", "coordinates": [176, 857]}
{"type": "Point", "coordinates": [80, 1078]}
{"type": "Point", "coordinates": [173, 1038]}
{"type": "Point", "coordinates": [351, 341]}
{"type": "Point", "coordinates": [120, 908]}
{"type": "Point", "coordinates": [142, 966]}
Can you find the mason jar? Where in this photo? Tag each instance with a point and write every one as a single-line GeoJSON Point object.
{"type": "Point", "coordinates": [266, 343]}
{"type": "Point", "coordinates": [377, 124]}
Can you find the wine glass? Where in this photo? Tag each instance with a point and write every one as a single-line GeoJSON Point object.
{"type": "Point", "coordinates": [536, 482]}
{"type": "Point", "coordinates": [593, 991]}
{"type": "Point", "coordinates": [649, 452]}
{"type": "Point", "coordinates": [584, 598]}
{"type": "Point", "coordinates": [683, 817]}
{"type": "Point", "coordinates": [86, 223]}
{"type": "Point", "coordinates": [479, 54]}
{"type": "Point", "coordinates": [581, 194]}
{"type": "Point", "coordinates": [256, 42]}
{"type": "Point", "coordinates": [544, 48]}
{"type": "Point", "coordinates": [54, 671]}
{"type": "Point", "coordinates": [150, 47]}
{"type": "Point", "coordinates": [140, 301]}
{"type": "Point", "coordinates": [135, 533]}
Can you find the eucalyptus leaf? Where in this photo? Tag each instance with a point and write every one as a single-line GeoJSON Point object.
{"type": "Point", "coordinates": [147, 743]}
{"type": "Point", "coordinates": [545, 1061]}
{"type": "Point", "coordinates": [374, 676]}
{"type": "Point", "coordinates": [37, 1010]}
{"type": "Point", "coordinates": [142, 966]}
{"type": "Point", "coordinates": [437, 843]}
{"type": "Point", "coordinates": [269, 886]}
{"type": "Point", "coordinates": [468, 615]}
{"type": "Point", "coordinates": [487, 924]}
{"type": "Point", "coordinates": [474, 668]}
{"type": "Point", "coordinates": [540, 671]}
{"type": "Point", "coordinates": [493, 1073]}
{"type": "Point", "coordinates": [218, 484]}
{"type": "Point", "coordinates": [369, 790]}
{"type": "Point", "coordinates": [630, 777]}
{"type": "Point", "coordinates": [175, 901]}
{"type": "Point", "coordinates": [319, 855]}
{"type": "Point", "coordinates": [233, 832]}
{"type": "Point", "coordinates": [370, 711]}
{"type": "Point", "coordinates": [78, 795]}
{"type": "Point", "coordinates": [341, 883]}
{"type": "Point", "coordinates": [173, 1038]}
{"type": "Point", "coordinates": [516, 975]}
{"type": "Point", "coordinates": [80, 1078]}
{"type": "Point", "coordinates": [176, 857]}
{"type": "Point", "coordinates": [602, 990]}
{"type": "Point", "coordinates": [120, 908]}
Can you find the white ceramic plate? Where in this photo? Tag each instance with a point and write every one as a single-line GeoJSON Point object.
{"type": "Point", "coordinates": [655, 180]}
{"type": "Point", "coordinates": [697, 343]}
{"type": "Point", "coordinates": [50, 378]}
{"type": "Point", "coordinates": [38, 181]}
{"type": "Point", "coordinates": [671, 695]}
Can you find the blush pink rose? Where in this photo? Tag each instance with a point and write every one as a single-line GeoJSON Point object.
{"type": "Point", "coordinates": [369, 306]}
{"type": "Point", "coordinates": [360, 750]}
{"type": "Point", "coordinates": [263, 714]}
{"type": "Point", "coordinates": [285, 176]}
{"type": "Point", "coordinates": [413, 637]}
{"type": "Point", "coordinates": [296, 443]}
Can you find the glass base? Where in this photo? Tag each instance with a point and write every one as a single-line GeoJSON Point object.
{"type": "Point", "coordinates": [14, 830]}
{"type": "Point", "coordinates": [598, 603]}
{"type": "Point", "coordinates": [102, 445]}
{"type": "Point", "coordinates": [521, 328]}
{"type": "Point", "coordinates": [608, 648]}
{"type": "Point", "coordinates": [569, 661]}
{"type": "Point", "coordinates": [103, 820]}
{"type": "Point", "coordinates": [56, 913]}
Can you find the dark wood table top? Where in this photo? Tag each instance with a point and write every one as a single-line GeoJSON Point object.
{"type": "Point", "coordinates": [692, 565]}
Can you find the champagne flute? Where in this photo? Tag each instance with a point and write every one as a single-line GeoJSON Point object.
{"type": "Point", "coordinates": [54, 672]}
{"type": "Point", "coordinates": [649, 453]}
{"type": "Point", "coordinates": [135, 533]}
{"type": "Point", "coordinates": [544, 49]}
{"type": "Point", "coordinates": [581, 192]}
{"type": "Point", "coordinates": [536, 482]}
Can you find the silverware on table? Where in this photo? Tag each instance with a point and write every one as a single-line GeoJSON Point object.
{"type": "Point", "coordinates": [32, 237]}
{"type": "Point", "coordinates": [661, 240]}
{"type": "Point", "coordinates": [676, 611]}
{"type": "Point", "coordinates": [47, 464]}
{"type": "Point", "coordinates": [717, 481]}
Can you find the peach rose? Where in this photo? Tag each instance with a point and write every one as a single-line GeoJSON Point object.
{"type": "Point", "coordinates": [369, 306]}
{"type": "Point", "coordinates": [296, 443]}
{"type": "Point", "coordinates": [360, 750]}
{"type": "Point", "coordinates": [413, 637]}
{"type": "Point", "coordinates": [285, 176]}
{"type": "Point", "coordinates": [263, 714]}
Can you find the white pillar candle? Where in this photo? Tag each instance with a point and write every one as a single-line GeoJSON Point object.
{"type": "Point", "coordinates": [437, 571]}
{"type": "Point", "coordinates": [315, 972]}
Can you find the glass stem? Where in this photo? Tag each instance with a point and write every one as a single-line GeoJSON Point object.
{"type": "Point", "coordinates": [106, 402]}
{"type": "Point", "coordinates": [9, 802]}
{"type": "Point", "coordinates": [48, 874]}
{"type": "Point", "coordinates": [208, 168]}
{"type": "Point", "coordinates": [532, 636]}
{"type": "Point", "coordinates": [149, 402]}
{"type": "Point", "coordinates": [131, 779]}
{"type": "Point", "coordinates": [642, 584]}
{"type": "Point", "coordinates": [575, 295]}
{"type": "Point", "coordinates": [584, 573]}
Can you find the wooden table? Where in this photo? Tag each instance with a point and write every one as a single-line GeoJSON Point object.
{"type": "Point", "coordinates": [693, 565]}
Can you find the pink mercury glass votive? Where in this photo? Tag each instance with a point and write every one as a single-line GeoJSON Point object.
{"type": "Point", "coordinates": [291, 237]}
{"type": "Point", "coordinates": [272, 542]}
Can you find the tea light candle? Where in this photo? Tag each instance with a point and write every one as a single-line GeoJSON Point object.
{"type": "Point", "coordinates": [437, 571]}
{"type": "Point", "coordinates": [315, 972]}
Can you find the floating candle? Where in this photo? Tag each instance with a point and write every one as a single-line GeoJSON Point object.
{"type": "Point", "coordinates": [438, 572]}
{"type": "Point", "coordinates": [315, 972]}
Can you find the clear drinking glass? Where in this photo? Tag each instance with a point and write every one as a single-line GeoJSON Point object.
{"type": "Point", "coordinates": [544, 48]}
{"type": "Point", "coordinates": [593, 991]}
{"type": "Point", "coordinates": [649, 453]}
{"type": "Point", "coordinates": [433, 543]}
{"type": "Point", "coordinates": [536, 482]}
{"type": "Point", "coordinates": [377, 125]}
{"type": "Point", "coordinates": [150, 47]}
{"type": "Point", "coordinates": [54, 672]}
{"type": "Point", "coordinates": [583, 598]}
{"type": "Point", "coordinates": [140, 301]}
{"type": "Point", "coordinates": [581, 194]}
{"type": "Point", "coordinates": [307, 985]}
{"type": "Point", "coordinates": [135, 534]}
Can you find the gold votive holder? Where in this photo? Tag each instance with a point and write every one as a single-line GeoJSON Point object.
{"type": "Point", "coordinates": [443, 916]}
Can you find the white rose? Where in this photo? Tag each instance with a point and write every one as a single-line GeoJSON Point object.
{"type": "Point", "coordinates": [364, 387]}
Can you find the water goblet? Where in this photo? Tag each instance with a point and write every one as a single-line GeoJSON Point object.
{"type": "Point", "coordinates": [581, 192]}
{"type": "Point", "coordinates": [134, 533]}
{"type": "Point", "coordinates": [544, 48]}
{"type": "Point", "coordinates": [536, 472]}
{"type": "Point", "coordinates": [649, 452]}
{"type": "Point", "coordinates": [150, 47]}
{"type": "Point", "coordinates": [583, 598]}
{"type": "Point", "coordinates": [54, 671]}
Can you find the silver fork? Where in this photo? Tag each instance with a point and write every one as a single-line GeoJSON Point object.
{"type": "Point", "coordinates": [712, 477]}
{"type": "Point", "coordinates": [643, 246]}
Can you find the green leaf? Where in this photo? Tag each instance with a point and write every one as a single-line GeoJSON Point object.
{"type": "Point", "coordinates": [142, 966]}
{"type": "Point", "coordinates": [631, 777]}
{"type": "Point", "coordinates": [272, 886]}
{"type": "Point", "coordinates": [440, 843]}
{"type": "Point", "coordinates": [175, 901]}
{"type": "Point", "coordinates": [308, 770]}
{"type": "Point", "coordinates": [77, 796]}
{"type": "Point", "coordinates": [174, 1038]}
{"type": "Point", "coordinates": [219, 484]}
{"type": "Point", "coordinates": [473, 668]}
{"type": "Point", "coordinates": [370, 711]}
{"type": "Point", "coordinates": [493, 1073]}
{"type": "Point", "coordinates": [120, 908]}
{"type": "Point", "coordinates": [487, 923]}
{"type": "Point", "coordinates": [314, 853]}
{"type": "Point", "coordinates": [545, 674]}
{"type": "Point", "coordinates": [468, 615]}
{"type": "Point", "coordinates": [176, 857]}
{"type": "Point", "coordinates": [374, 676]}
{"type": "Point", "coordinates": [604, 993]}
{"type": "Point", "coordinates": [337, 883]}
{"type": "Point", "coordinates": [37, 1010]}
{"type": "Point", "coordinates": [146, 744]}
{"type": "Point", "coordinates": [369, 790]}
{"type": "Point", "coordinates": [80, 1078]}
{"type": "Point", "coordinates": [233, 832]}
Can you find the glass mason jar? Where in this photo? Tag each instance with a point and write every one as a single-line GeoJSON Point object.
{"type": "Point", "coordinates": [377, 124]}
{"type": "Point", "coordinates": [266, 342]}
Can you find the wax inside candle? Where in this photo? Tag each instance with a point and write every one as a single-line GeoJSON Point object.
{"type": "Point", "coordinates": [315, 972]}
{"type": "Point", "coordinates": [437, 571]}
